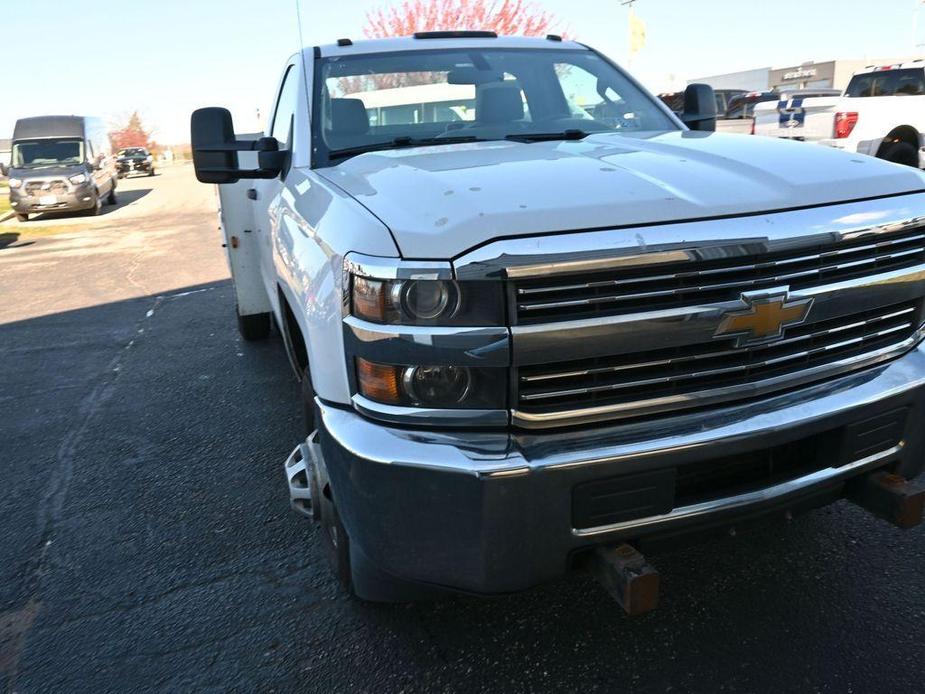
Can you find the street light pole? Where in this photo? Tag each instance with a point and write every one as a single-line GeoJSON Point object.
{"type": "Point", "coordinates": [915, 25]}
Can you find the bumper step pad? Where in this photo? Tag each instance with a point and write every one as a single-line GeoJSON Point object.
{"type": "Point", "coordinates": [890, 497]}
{"type": "Point", "coordinates": [628, 577]}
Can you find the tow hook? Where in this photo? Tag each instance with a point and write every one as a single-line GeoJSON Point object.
{"type": "Point", "coordinates": [890, 497]}
{"type": "Point", "coordinates": [628, 577]}
{"type": "Point", "coordinates": [301, 475]}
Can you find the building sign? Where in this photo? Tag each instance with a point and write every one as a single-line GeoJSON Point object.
{"type": "Point", "coordinates": [800, 73]}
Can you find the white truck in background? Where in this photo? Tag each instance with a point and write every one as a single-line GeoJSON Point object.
{"type": "Point", "coordinates": [882, 114]}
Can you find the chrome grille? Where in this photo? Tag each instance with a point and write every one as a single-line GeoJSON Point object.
{"type": "Point", "coordinates": [36, 188]}
{"type": "Point", "coordinates": [711, 280]}
{"type": "Point", "coordinates": [701, 373]}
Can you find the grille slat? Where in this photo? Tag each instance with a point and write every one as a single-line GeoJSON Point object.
{"type": "Point", "coordinates": [617, 292]}
{"type": "Point", "coordinates": [738, 284]}
{"type": "Point", "coordinates": [720, 354]}
{"type": "Point", "coordinates": [714, 271]}
{"type": "Point", "coordinates": [694, 369]}
{"type": "Point", "coordinates": [36, 188]}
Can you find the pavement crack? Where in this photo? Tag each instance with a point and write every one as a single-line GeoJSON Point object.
{"type": "Point", "coordinates": [51, 505]}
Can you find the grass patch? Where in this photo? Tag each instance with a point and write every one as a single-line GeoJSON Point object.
{"type": "Point", "coordinates": [27, 230]}
{"type": "Point", "coordinates": [4, 199]}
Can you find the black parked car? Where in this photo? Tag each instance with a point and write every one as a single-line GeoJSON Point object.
{"type": "Point", "coordinates": [134, 160]}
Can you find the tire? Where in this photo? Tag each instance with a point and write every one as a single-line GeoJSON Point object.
{"type": "Point", "coordinates": [111, 199]}
{"type": "Point", "coordinates": [255, 327]}
{"type": "Point", "coordinates": [97, 207]}
{"type": "Point", "coordinates": [901, 153]}
{"type": "Point", "coordinates": [334, 540]}
{"type": "Point", "coordinates": [308, 402]}
{"type": "Point", "coordinates": [22, 217]}
{"type": "Point", "coordinates": [151, 172]}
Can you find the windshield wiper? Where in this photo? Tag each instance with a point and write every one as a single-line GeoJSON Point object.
{"type": "Point", "coordinates": [401, 143]}
{"type": "Point", "coordinates": [548, 137]}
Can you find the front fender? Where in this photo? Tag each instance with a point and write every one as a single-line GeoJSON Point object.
{"type": "Point", "coordinates": [318, 224]}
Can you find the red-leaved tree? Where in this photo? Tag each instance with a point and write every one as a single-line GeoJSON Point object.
{"type": "Point", "coordinates": [504, 17]}
{"type": "Point", "coordinates": [132, 134]}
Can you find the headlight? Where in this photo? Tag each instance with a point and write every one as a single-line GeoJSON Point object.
{"type": "Point", "coordinates": [428, 302]}
{"type": "Point", "coordinates": [15, 182]}
{"type": "Point", "coordinates": [77, 179]}
{"type": "Point", "coordinates": [443, 387]}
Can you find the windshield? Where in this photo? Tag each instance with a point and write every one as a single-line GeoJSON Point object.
{"type": "Point", "coordinates": [133, 152]}
{"type": "Point", "coordinates": [33, 154]}
{"type": "Point", "coordinates": [370, 102]}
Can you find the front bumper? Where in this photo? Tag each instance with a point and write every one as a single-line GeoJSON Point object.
{"type": "Point", "coordinates": [79, 197]}
{"type": "Point", "coordinates": [497, 512]}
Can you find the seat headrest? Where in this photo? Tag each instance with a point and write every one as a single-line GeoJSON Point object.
{"type": "Point", "coordinates": [349, 117]}
{"type": "Point", "coordinates": [499, 104]}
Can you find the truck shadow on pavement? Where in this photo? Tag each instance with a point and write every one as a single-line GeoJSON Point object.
{"type": "Point", "coordinates": [7, 239]}
{"type": "Point", "coordinates": [146, 511]}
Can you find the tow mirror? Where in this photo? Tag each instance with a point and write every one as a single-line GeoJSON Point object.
{"type": "Point", "coordinates": [699, 107]}
{"type": "Point", "coordinates": [215, 149]}
{"type": "Point", "coordinates": [4, 169]}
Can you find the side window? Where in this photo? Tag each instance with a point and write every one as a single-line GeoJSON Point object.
{"type": "Point", "coordinates": [736, 110]}
{"type": "Point", "coordinates": [579, 87]}
{"type": "Point", "coordinates": [910, 83]}
{"type": "Point", "coordinates": [285, 108]}
{"type": "Point", "coordinates": [612, 101]}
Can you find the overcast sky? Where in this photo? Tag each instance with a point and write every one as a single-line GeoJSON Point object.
{"type": "Point", "coordinates": [167, 57]}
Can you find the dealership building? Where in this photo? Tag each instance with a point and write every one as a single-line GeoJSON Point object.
{"type": "Point", "coordinates": [831, 74]}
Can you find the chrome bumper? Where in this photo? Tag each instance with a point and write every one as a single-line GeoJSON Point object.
{"type": "Point", "coordinates": [492, 512]}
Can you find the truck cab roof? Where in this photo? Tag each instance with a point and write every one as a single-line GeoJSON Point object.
{"type": "Point", "coordinates": [451, 40]}
{"type": "Point", "coordinates": [49, 126]}
{"type": "Point", "coordinates": [917, 63]}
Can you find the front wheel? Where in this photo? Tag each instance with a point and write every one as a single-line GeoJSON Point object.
{"type": "Point", "coordinates": [22, 217]}
{"type": "Point", "coordinates": [151, 172]}
{"type": "Point", "coordinates": [901, 153]}
{"type": "Point", "coordinates": [111, 198]}
{"type": "Point", "coordinates": [97, 207]}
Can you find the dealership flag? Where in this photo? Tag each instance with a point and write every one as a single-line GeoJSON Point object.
{"type": "Point", "coordinates": [638, 32]}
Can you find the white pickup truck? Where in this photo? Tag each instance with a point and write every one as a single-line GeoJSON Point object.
{"type": "Point", "coordinates": [542, 324]}
{"type": "Point", "coordinates": [882, 114]}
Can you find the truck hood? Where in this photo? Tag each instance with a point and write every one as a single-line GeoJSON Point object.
{"type": "Point", "coordinates": [441, 201]}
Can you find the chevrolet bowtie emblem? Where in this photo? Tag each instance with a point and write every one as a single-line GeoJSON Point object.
{"type": "Point", "coordinates": [767, 316]}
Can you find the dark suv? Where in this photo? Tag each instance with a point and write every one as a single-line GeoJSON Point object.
{"type": "Point", "coordinates": [134, 160]}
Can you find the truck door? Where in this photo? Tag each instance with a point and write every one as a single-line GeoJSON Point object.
{"type": "Point", "coordinates": [267, 203]}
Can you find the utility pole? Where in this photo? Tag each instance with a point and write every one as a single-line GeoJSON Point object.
{"type": "Point", "coordinates": [915, 25]}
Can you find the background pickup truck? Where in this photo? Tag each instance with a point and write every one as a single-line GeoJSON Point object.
{"type": "Point", "coordinates": [541, 323]}
{"type": "Point", "coordinates": [882, 114]}
{"type": "Point", "coordinates": [739, 116]}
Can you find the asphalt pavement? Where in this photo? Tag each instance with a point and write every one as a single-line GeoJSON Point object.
{"type": "Point", "coordinates": [146, 542]}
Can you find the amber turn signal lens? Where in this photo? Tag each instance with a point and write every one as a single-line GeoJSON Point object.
{"type": "Point", "coordinates": [379, 382]}
{"type": "Point", "coordinates": [369, 299]}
